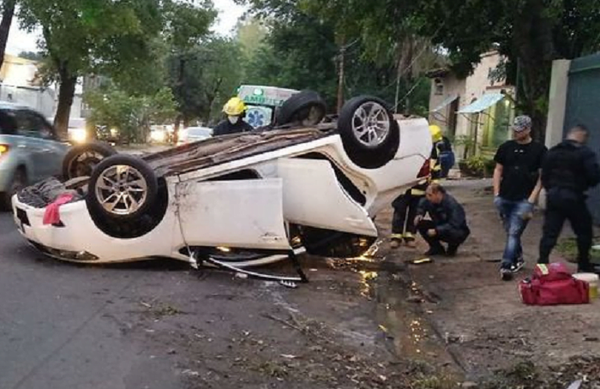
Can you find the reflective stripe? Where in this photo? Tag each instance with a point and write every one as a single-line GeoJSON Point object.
{"type": "Point", "coordinates": [396, 236]}
{"type": "Point", "coordinates": [408, 235]}
{"type": "Point", "coordinates": [543, 268]}
{"type": "Point", "coordinates": [417, 192]}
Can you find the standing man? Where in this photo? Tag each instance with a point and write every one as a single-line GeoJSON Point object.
{"type": "Point", "coordinates": [517, 186]}
{"type": "Point", "coordinates": [235, 109]}
{"type": "Point", "coordinates": [570, 169]}
{"type": "Point", "coordinates": [448, 222]}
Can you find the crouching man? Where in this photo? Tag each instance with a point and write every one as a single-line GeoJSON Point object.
{"type": "Point", "coordinates": [448, 223]}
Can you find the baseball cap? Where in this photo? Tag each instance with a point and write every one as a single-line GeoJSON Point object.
{"type": "Point", "coordinates": [521, 123]}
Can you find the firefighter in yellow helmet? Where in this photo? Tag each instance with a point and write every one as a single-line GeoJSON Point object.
{"type": "Point", "coordinates": [235, 109]}
{"type": "Point", "coordinates": [405, 206]}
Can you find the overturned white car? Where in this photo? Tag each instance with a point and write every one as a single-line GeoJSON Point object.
{"type": "Point", "coordinates": [244, 199]}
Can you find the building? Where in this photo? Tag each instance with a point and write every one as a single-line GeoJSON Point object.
{"type": "Point", "coordinates": [476, 111]}
{"type": "Point", "coordinates": [19, 84]}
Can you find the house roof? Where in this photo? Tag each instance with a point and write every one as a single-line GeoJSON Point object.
{"type": "Point", "coordinates": [439, 72]}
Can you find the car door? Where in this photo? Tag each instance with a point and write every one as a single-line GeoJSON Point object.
{"type": "Point", "coordinates": [37, 141]}
{"type": "Point", "coordinates": [53, 149]}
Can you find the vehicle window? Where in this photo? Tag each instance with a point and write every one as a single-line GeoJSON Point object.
{"type": "Point", "coordinates": [32, 125]}
{"type": "Point", "coordinates": [200, 131]}
{"type": "Point", "coordinates": [8, 122]}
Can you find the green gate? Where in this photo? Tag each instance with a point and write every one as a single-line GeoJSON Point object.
{"type": "Point", "coordinates": [583, 107]}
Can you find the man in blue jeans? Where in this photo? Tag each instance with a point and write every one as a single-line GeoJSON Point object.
{"type": "Point", "coordinates": [517, 186]}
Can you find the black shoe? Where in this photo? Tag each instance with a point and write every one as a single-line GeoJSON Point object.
{"type": "Point", "coordinates": [436, 251]}
{"type": "Point", "coordinates": [452, 249]}
{"type": "Point", "coordinates": [506, 274]}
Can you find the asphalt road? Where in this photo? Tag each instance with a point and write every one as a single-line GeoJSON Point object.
{"type": "Point", "coordinates": [68, 326]}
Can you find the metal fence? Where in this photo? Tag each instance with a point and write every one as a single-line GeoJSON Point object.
{"type": "Point", "coordinates": [583, 107]}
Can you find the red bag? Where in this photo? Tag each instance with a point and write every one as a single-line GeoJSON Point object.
{"type": "Point", "coordinates": [553, 285]}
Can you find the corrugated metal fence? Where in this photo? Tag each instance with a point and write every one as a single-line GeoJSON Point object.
{"type": "Point", "coordinates": [583, 107]}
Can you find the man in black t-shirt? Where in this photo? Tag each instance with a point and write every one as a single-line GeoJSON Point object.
{"type": "Point", "coordinates": [517, 186]}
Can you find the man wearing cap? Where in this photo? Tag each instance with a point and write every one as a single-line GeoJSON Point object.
{"type": "Point", "coordinates": [517, 186]}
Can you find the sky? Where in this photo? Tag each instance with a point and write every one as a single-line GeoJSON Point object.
{"type": "Point", "coordinates": [229, 12]}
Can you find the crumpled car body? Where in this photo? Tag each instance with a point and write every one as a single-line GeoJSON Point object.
{"type": "Point", "coordinates": [248, 199]}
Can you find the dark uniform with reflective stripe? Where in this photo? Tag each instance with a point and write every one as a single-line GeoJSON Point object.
{"type": "Point", "coordinates": [568, 171]}
{"type": "Point", "coordinates": [405, 205]}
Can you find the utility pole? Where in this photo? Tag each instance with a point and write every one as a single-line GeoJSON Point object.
{"type": "Point", "coordinates": [340, 94]}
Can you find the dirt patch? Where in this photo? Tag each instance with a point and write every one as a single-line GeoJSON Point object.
{"type": "Point", "coordinates": [481, 319]}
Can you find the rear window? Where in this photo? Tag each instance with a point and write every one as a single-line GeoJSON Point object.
{"type": "Point", "coordinates": [8, 122]}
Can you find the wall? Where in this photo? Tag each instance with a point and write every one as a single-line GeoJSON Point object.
{"type": "Point", "coordinates": [468, 90]}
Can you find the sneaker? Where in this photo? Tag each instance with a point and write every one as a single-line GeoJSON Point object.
{"type": "Point", "coordinates": [506, 274]}
{"type": "Point", "coordinates": [516, 267]}
{"type": "Point", "coordinates": [395, 243]}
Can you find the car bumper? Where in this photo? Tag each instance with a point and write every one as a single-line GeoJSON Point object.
{"type": "Point", "coordinates": [77, 239]}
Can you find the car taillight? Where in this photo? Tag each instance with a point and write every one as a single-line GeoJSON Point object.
{"type": "Point", "coordinates": [3, 149]}
{"type": "Point", "coordinates": [425, 169]}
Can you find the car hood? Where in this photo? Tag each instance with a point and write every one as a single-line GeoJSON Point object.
{"type": "Point", "coordinates": [227, 148]}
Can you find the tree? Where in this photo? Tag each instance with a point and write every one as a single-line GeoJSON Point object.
{"type": "Point", "coordinates": [210, 74]}
{"type": "Point", "coordinates": [8, 12]}
{"type": "Point", "coordinates": [107, 37]}
{"type": "Point", "coordinates": [131, 115]}
{"type": "Point", "coordinates": [303, 49]}
{"type": "Point", "coordinates": [530, 33]}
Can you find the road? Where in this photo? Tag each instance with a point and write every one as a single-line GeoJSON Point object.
{"type": "Point", "coordinates": [66, 326]}
{"type": "Point", "coordinates": [162, 325]}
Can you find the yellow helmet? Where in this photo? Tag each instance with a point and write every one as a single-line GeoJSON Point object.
{"type": "Point", "coordinates": [436, 133]}
{"type": "Point", "coordinates": [234, 107]}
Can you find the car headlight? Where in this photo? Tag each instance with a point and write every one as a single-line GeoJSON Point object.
{"type": "Point", "coordinates": [158, 136]}
{"type": "Point", "coordinates": [78, 135]}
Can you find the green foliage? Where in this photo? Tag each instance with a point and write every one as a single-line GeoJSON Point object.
{"type": "Point", "coordinates": [478, 165]}
{"type": "Point", "coordinates": [131, 115]}
{"type": "Point", "coordinates": [205, 77]}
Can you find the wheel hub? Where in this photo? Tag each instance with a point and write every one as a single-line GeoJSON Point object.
{"type": "Point", "coordinates": [371, 124]}
{"type": "Point", "coordinates": [121, 190]}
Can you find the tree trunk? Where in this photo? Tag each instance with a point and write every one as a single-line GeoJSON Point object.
{"type": "Point", "coordinates": [535, 51]}
{"type": "Point", "coordinates": [7, 16]}
{"type": "Point", "coordinates": [66, 92]}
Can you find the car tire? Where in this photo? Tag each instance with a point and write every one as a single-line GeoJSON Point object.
{"type": "Point", "coordinates": [18, 182]}
{"type": "Point", "coordinates": [81, 159]}
{"type": "Point", "coordinates": [305, 107]}
{"type": "Point", "coordinates": [129, 180]}
{"type": "Point", "coordinates": [369, 132]}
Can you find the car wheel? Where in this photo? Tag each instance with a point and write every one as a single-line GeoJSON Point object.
{"type": "Point", "coordinates": [369, 131]}
{"type": "Point", "coordinates": [122, 187]}
{"type": "Point", "coordinates": [81, 159]}
{"type": "Point", "coordinates": [306, 108]}
{"type": "Point", "coordinates": [19, 181]}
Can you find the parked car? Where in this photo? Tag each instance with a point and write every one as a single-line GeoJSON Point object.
{"type": "Point", "coordinates": [241, 199]}
{"type": "Point", "coordinates": [194, 134]}
{"type": "Point", "coordinates": [30, 151]}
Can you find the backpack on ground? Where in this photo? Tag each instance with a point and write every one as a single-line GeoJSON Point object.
{"type": "Point", "coordinates": [553, 284]}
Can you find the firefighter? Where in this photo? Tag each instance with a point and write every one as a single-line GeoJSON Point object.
{"type": "Point", "coordinates": [405, 206]}
{"type": "Point", "coordinates": [235, 109]}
